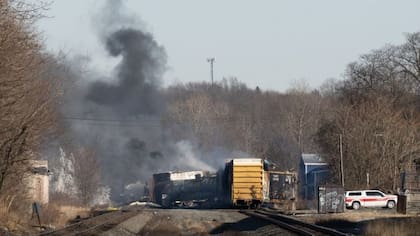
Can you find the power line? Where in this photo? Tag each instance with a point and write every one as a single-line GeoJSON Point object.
{"type": "Point", "coordinates": [109, 119]}
{"type": "Point", "coordinates": [145, 121]}
{"type": "Point", "coordinates": [142, 122]}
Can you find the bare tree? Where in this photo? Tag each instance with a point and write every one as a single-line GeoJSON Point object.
{"type": "Point", "coordinates": [26, 92]}
{"type": "Point", "coordinates": [378, 141]}
{"type": "Point", "coordinates": [407, 58]}
{"type": "Point", "coordinates": [86, 175]}
{"type": "Point", "coordinates": [303, 115]}
{"type": "Point", "coordinates": [203, 114]}
{"type": "Point", "coordinates": [229, 114]}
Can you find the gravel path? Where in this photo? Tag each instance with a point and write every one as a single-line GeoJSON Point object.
{"type": "Point", "coordinates": [194, 222]}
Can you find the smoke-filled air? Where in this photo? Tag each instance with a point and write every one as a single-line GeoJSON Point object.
{"type": "Point", "coordinates": [121, 115]}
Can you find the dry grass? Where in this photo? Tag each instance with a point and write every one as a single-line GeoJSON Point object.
{"type": "Point", "coordinates": [70, 212]}
{"type": "Point", "coordinates": [370, 222]}
{"type": "Point", "coordinates": [394, 226]}
{"type": "Point", "coordinates": [352, 216]}
{"type": "Point", "coordinates": [5, 205]}
{"type": "Point", "coordinates": [64, 199]}
{"type": "Point", "coordinates": [8, 218]}
{"type": "Point", "coordinates": [17, 215]}
{"type": "Point", "coordinates": [54, 215]}
{"type": "Point", "coordinates": [12, 217]}
{"type": "Point", "coordinates": [61, 209]}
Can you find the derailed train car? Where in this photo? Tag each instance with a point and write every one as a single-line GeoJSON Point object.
{"type": "Point", "coordinates": [282, 189]}
{"type": "Point", "coordinates": [193, 189]}
{"type": "Point", "coordinates": [247, 182]}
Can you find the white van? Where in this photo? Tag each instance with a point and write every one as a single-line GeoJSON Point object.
{"type": "Point", "coordinates": [369, 198]}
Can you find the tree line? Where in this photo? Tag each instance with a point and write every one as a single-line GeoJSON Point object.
{"type": "Point", "coordinates": [31, 91]}
{"type": "Point", "coordinates": [28, 93]}
{"type": "Point", "coordinates": [374, 108]}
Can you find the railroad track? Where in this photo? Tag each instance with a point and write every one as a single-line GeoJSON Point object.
{"type": "Point", "coordinates": [94, 225]}
{"type": "Point", "coordinates": [294, 225]}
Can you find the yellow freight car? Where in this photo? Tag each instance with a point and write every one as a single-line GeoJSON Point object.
{"type": "Point", "coordinates": [247, 182]}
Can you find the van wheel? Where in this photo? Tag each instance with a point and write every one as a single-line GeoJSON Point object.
{"type": "Point", "coordinates": [355, 205]}
{"type": "Point", "coordinates": [390, 204]}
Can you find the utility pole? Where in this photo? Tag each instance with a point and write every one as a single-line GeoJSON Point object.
{"type": "Point", "coordinates": [341, 160]}
{"type": "Point", "coordinates": [211, 61]}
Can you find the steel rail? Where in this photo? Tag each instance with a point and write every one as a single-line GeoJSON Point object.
{"type": "Point", "coordinates": [83, 227]}
{"type": "Point", "coordinates": [85, 231]}
{"type": "Point", "coordinates": [294, 225]}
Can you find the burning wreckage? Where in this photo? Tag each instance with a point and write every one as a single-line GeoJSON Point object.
{"type": "Point", "coordinates": [242, 183]}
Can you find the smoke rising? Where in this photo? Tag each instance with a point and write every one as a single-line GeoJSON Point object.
{"type": "Point", "coordinates": [120, 116]}
{"type": "Point", "coordinates": [138, 75]}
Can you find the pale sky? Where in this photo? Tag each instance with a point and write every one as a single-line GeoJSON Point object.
{"type": "Point", "coordinates": [268, 43]}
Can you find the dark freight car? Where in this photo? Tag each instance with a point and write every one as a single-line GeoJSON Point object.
{"type": "Point", "coordinates": [188, 189]}
{"type": "Point", "coordinates": [283, 189]}
{"type": "Point", "coordinates": [282, 185]}
{"type": "Point", "coordinates": [243, 182]}
{"type": "Point", "coordinates": [160, 187]}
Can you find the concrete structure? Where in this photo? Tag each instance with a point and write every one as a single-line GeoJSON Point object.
{"type": "Point", "coordinates": [313, 171]}
{"type": "Point", "coordinates": [38, 181]}
{"type": "Point", "coordinates": [409, 199]}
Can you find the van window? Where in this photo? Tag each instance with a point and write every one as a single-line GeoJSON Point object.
{"type": "Point", "coordinates": [374, 194]}
{"type": "Point", "coordinates": [355, 194]}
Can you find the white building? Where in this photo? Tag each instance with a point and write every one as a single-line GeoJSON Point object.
{"type": "Point", "coordinates": [38, 182]}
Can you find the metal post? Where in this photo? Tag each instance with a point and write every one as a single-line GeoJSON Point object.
{"type": "Point", "coordinates": [36, 210]}
{"type": "Point", "coordinates": [367, 180]}
{"type": "Point", "coordinates": [211, 61]}
{"type": "Point", "coordinates": [341, 160]}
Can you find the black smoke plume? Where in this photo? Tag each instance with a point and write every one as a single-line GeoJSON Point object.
{"type": "Point", "coordinates": [139, 74]}
{"type": "Point", "coordinates": [119, 115]}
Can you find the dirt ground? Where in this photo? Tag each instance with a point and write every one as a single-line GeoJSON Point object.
{"type": "Point", "coordinates": [368, 222]}
{"type": "Point", "coordinates": [195, 222]}
{"type": "Point", "coordinates": [231, 222]}
{"type": "Point", "coordinates": [156, 221]}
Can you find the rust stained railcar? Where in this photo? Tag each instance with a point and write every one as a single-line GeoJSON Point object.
{"type": "Point", "coordinates": [282, 189]}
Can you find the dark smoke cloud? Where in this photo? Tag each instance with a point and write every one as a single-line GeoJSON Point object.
{"type": "Point", "coordinates": [139, 74]}
{"type": "Point", "coordinates": [128, 154]}
{"type": "Point", "coordinates": [114, 16]}
{"type": "Point", "coordinates": [120, 115]}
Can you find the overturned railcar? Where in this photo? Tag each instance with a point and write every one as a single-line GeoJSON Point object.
{"type": "Point", "coordinates": [192, 189]}
{"type": "Point", "coordinates": [244, 182]}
